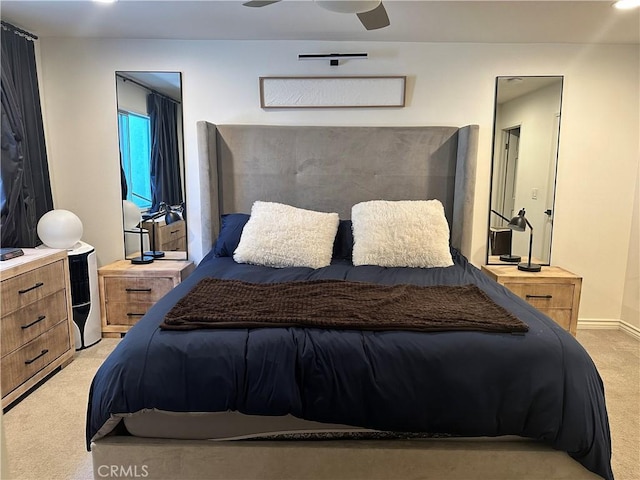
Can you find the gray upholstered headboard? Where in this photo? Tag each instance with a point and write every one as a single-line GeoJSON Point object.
{"type": "Point", "coordinates": [332, 168]}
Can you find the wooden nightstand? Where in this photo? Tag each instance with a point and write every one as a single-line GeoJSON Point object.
{"type": "Point", "coordinates": [554, 291]}
{"type": "Point", "coordinates": [36, 325]}
{"type": "Point", "coordinates": [168, 238]}
{"type": "Point", "coordinates": [127, 291]}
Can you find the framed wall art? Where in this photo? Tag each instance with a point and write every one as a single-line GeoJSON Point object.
{"type": "Point", "coordinates": [332, 92]}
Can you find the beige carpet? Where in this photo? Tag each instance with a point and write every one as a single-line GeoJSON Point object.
{"type": "Point", "coordinates": [41, 445]}
{"type": "Point", "coordinates": [617, 356]}
{"type": "Point", "coordinates": [45, 431]}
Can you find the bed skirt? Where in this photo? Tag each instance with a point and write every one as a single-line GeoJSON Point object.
{"type": "Point", "coordinates": [423, 459]}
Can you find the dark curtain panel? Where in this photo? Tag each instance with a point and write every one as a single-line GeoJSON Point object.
{"type": "Point", "coordinates": [26, 189]}
{"type": "Point", "coordinates": [165, 161]}
{"type": "Point", "coordinates": [123, 181]}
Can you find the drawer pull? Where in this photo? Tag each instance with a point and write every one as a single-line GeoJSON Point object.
{"type": "Point", "coordinates": [39, 319]}
{"type": "Point", "coordinates": [539, 296]}
{"type": "Point", "coordinates": [43, 352]}
{"type": "Point", "coordinates": [37, 285]}
{"type": "Point", "coordinates": [130, 314]}
{"type": "Point", "coordinates": [174, 231]}
{"type": "Point", "coordinates": [130, 290]}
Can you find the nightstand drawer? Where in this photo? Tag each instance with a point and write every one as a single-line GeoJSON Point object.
{"type": "Point", "coordinates": [24, 289]}
{"type": "Point", "coordinates": [177, 245]}
{"type": "Point", "coordinates": [562, 316]}
{"type": "Point", "coordinates": [22, 326]}
{"type": "Point", "coordinates": [171, 232]}
{"type": "Point", "coordinates": [168, 238]}
{"type": "Point", "coordinates": [22, 364]}
{"type": "Point", "coordinates": [119, 313]}
{"type": "Point", "coordinates": [544, 295]}
{"type": "Point", "coordinates": [136, 290]}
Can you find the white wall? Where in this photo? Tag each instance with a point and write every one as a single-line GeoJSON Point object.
{"type": "Point", "coordinates": [631, 298]}
{"type": "Point", "coordinates": [448, 84]}
{"type": "Point", "coordinates": [131, 97]}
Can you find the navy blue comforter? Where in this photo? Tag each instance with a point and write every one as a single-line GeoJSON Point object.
{"type": "Point", "coordinates": [541, 385]}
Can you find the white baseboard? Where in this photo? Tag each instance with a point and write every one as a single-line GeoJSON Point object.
{"type": "Point", "coordinates": [609, 324]}
{"type": "Point", "coordinates": [630, 329]}
{"type": "Point", "coordinates": [598, 324]}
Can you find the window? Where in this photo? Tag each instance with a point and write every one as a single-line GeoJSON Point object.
{"type": "Point", "coordinates": [135, 148]}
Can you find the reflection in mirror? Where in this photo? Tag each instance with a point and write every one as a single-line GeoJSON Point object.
{"type": "Point", "coordinates": [152, 165]}
{"type": "Point", "coordinates": [523, 174]}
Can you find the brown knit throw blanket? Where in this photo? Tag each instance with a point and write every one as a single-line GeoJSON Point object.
{"type": "Point", "coordinates": [338, 304]}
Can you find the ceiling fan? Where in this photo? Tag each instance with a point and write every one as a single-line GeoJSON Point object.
{"type": "Point", "coordinates": [371, 13]}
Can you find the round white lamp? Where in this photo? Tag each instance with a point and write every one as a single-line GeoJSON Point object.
{"type": "Point", "coordinates": [60, 229]}
{"type": "Point", "coordinates": [131, 214]}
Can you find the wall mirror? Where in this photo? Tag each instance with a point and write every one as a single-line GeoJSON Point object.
{"type": "Point", "coordinates": [526, 133]}
{"type": "Point", "coordinates": [152, 165]}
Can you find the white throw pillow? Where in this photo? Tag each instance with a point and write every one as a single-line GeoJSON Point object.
{"type": "Point", "coordinates": [400, 234]}
{"type": "Point", "coordinates": [278, 235]}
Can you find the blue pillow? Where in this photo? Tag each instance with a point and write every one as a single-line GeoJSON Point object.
{"type": "Point", "coordinates": [343, 244]}
{"type": "Point", "coordinates": [233, 224]}
{"type": "Point", "coordinates": [230, 232]}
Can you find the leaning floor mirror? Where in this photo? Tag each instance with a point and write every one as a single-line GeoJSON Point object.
{"type": "Point", "coordinates": [526, 136]}
{"type": "Point", "coordinates": [152, 165]}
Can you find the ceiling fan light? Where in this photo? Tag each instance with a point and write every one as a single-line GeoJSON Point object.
{"type": "Point", "coordinates": [348, 6]}
{"type": "Point", "coordinates": [626, 4]}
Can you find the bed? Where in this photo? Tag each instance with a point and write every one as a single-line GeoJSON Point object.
{"type": "Point", "coordinates": [300, 402]}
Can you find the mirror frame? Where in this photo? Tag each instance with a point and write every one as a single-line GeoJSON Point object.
{"type": "Point", "coordinates": [156, 82]}
{"type": "Point", "coordinates": [554, 142]}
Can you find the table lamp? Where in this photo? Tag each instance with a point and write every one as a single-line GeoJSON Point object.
{"type": "Point", "coordinates": [519, 224]}
{"type": "Point", "coordinates": [170, 217]}
{"type": "Point", "coordinates": [150, 218]}
{"type": "Point", "coordinates": [59, 229]}
{"type": "Point", "coordinates": [132, 222]}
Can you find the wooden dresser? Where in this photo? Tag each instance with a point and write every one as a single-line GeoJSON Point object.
{"type": "Point", "coordinates": [127, 291]}
{"type": "Point", "coordinates": [36, 332]}
{"type": "Point", "coordinates": [168, 237]}
{"type": "Point", "coordinates": [554, 291]}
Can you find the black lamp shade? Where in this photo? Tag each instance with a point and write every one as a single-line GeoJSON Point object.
{"type": "Point", "coordinates": [518, 223]}
{"type": "Point", "coordinates": [172, 217]}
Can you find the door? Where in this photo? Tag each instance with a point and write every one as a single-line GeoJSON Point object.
{"type": "Point", "coordinates": [553, 161]}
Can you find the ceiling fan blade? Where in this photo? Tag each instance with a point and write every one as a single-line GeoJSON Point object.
{"type": "Point", "coordinates": [259, 3]}
{"type": "Point", "coordinates": [374, 19]}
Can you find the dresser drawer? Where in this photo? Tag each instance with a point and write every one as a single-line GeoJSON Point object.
{"type": "Point", "coordinates": [22, 326]}
{"type": "Point", "coordinates": [135, 289]}
{"type": "Point", "coordinates": [31, 286]}
{"type": "Point", "coordinates": [544, 295]}
{"type": "Point", "coordinates": [19, 366]}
